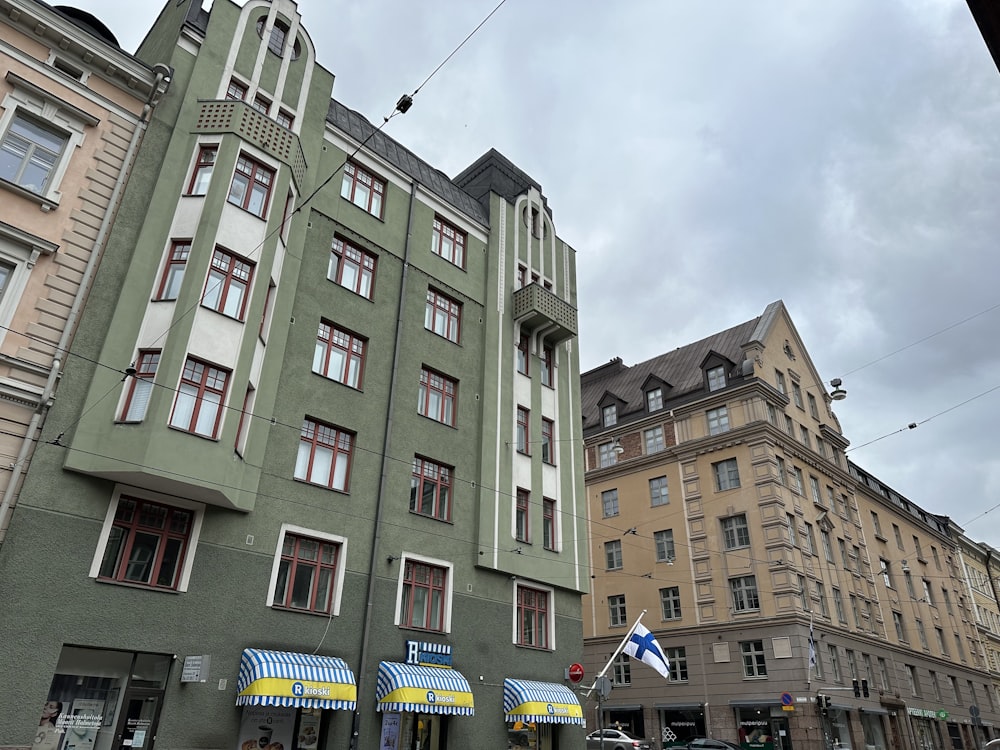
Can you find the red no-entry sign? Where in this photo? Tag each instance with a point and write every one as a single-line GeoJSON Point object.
{"type": "Point", "coordinates": [575, 672]}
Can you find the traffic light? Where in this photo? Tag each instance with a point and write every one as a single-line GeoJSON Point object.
{"type": "Point", "coordinates": [857, 689]}
{"type": "Point", "coordinates": [823, 703]}
{"type": "Point", "coordinates": [864, 688]}
{"type": "Point", "coordinates": [826, 701]}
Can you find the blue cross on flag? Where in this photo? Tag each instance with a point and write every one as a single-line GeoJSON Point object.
{"type": "Point", "coordinates": [643, 646]}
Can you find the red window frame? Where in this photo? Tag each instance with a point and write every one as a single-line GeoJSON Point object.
{"type": "Point", "coordinates": [548, 441]}
{"type": "Point", "coordinates": [339, 442]}
{"type": "Point", "coordinates": [236, 91]}
{"type": "Point", "coordinates": [347, 257]}
{"type": "Point", "coordinates": [443, 315]}
{"type": "Point", "coordinates": [202, 173]}
{"type": "Point", "coordinates": [448, 242]}
{"type": "Point", "coordinates": [206, 380]}
{"type": "Point", "coordinates": [432, 581]}
{"type": "Point", "coordinates": [522, 354]}
{"type": "Point", "coordinates": [547, 369]}
{"type": "Point", "coordinates": [445, 390]}
{"type": "Point", "coordinates": [255, 180]}
{"type": "Point", "coordinates": [227, 274]}
{"type": "Point", "coordinates": [523, 430]}
{"type": "Point", "coordinates": [431, 489]}
{"type": "Point", "coordinates": [331, 339]}
{"type": "Point", "coordinates": [522, 276]}
{"type": "Point", "coordinates": [522, 516]}
{"type": "Point", "coordinates": [363, 189]}
{"type": "Point", "coordinates": [262, 104]}
{"type": "Point", "coordinates": [548, 523]}
{"type": "Point", "coordinates": [168, 528]}
{"type": "Point", "coordinates": [532, 617]}
{"type": "Point", "coordinates": [284, 119]}
{"type": "Point", "coordinates": [145, 370]}
{"type": "Point", "coordinates": [173, 269]}
{"type": "Point", "coordinates": [318, 559]}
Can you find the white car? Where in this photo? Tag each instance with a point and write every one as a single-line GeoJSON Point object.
{"type": "Point", "coordinates": [992, 745]}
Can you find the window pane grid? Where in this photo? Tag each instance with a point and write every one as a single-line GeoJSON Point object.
{"type": "Point", "coordinates": [430, 489]}
{"type": "Point", "coordinates": [351, 268]}
{"type": "Point", "coordinates": [141, 387]}
{"type": "Point", "coordinates": [532, 617]}
{"type": "Point", "coordinates": [423, 596]}
{"type": "Point", "coordinates": [448, 242]}
{"type": "Point", "coordinates": [147, 544]}
{"type": "Point", "coordinates": [437, 397]}
{"type": "Point", "coordinates": [228, 283]}
{"type": "Point", "coordinates": [324, 455]}
{"type": "Point", "coordinates": [198, 405]}
{"type": "Point", "coordinates": [442, 315]}
{"type": "Point", "coordinates": [339, 355]}
{"type": "Point", "coordinates": [363, 189]}
{"type": "Point", "coordinates": [306, 574]}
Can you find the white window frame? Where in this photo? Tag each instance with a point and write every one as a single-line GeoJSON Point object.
{"type": "Point", "coordinates": [197, 510]}
{"type": "Point", "coordinates": [550, 625]}
{"type": "Point", "coordinates": [338, 578]}
{"type": "Point", "coordinates": [449, 588]}
{"type": "Point", "coordinates": [21, 251]}
{"type": "Point", "coordinates": [35, 101]}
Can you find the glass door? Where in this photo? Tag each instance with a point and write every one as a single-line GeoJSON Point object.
{"type": "Point", "coordinates": [137, 722]}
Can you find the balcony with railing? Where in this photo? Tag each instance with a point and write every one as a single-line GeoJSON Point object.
{"type": "Point", "coordinates": [539, 310]}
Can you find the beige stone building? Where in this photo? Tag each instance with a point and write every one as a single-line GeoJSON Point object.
{"type": "Point", "coordinates": [73, 107]}
{"type": "Point", "coordinates": [723, 508]}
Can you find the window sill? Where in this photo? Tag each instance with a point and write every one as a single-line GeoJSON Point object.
{"type": "Point", "coordinates": [44, 203]}
{"type": "Point", "coordinates": [224, 315]}
{"type": "Point", "coordinates": [534, 648]}
{"type": "Point", "coordinates": [140, 586]}
{"type": "Point", "coordinates": [321, 486]}
{"type": "Point", "coordinates": [211, 438]}
{"type": "Point", "coordinates": [362, 210]}
{"type": "Point", "coordinates": [431, 517]}
{"type": "Point", "coordinates": [262, 216]}
{"type": "Point", "coordinates": [281, 608]}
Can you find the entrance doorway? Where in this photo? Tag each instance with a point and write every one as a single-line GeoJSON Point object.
{"type": "Point", "coordinates": [137, 720]}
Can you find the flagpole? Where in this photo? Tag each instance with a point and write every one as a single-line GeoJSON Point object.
{"type": "Point", "coordinates": [614, 656]}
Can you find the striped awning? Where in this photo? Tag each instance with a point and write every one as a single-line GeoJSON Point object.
{"type": "Point", "coordinates": [429, 690]}
{"type": "Point", "coordinates": [283, 678]}
{"type": "Point", "coordinates": [540, 702]}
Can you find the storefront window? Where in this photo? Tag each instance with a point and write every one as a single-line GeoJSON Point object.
{"type": "Point", "coordinates": [96, 694]}
{"type": "Point", "coordinates": [874, 733]}
{"type": "Point", "coordinates": [836, 729]}
{"type": "Point", "coordinates": [755, 729]}
{"type": "Point", "coordinates": [677, 726]}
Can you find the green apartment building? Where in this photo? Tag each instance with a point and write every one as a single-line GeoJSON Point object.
{"type": "Point", "coordinates": [314, 478]}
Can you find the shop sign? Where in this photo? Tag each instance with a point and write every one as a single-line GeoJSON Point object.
{"type": "Point", "coordinates": [926, 713]}
{"type": "Point", "coordinates": [267, 728]}
{"type": "Point", "coordinates": [425, 654]}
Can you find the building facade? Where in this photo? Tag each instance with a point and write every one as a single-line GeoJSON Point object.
{"type": "Point", "coordinates": [802, 603]}
{"type": "Point", "coordinates": [316, 478]}
{"type": "Point", "coordinates": [73, 109]}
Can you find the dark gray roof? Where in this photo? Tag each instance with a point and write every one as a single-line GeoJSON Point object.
{"type": "Point", "coordinates": [681, 368]}
{"type": "Point", "coordinates": [355, 125]}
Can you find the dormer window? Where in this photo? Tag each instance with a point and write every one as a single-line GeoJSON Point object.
{"type": "Point", "coordinates": [716, 378]}
{"type": "Point", "coordinates": [609, 415]}
{"type": "Point", "coordinates": [654, 399]}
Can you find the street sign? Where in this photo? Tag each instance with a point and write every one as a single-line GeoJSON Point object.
{"type": "Point", "coordinates": [575, 672]}
{"type": "Point", "coordinates": [603, 686]}
{"type": "Point", "coordinates": [786, 699]}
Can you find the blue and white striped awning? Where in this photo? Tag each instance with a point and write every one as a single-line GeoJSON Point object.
{"type": "Point", "coordinates": [283, 678]}
{"type": "Point", "coordinates": [429, 690]}
{"type": "Point", "coordinates": [540, 702]}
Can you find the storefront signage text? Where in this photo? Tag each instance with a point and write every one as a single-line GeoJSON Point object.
{"type": "Point", "coordinates": [426, 654]}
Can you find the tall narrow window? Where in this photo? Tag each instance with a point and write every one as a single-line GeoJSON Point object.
{"type": "Point", "coordinates": [522, 354]}
{"type": "Point", "coordinates": [609, 503]}
{"type": "Point", "coordinates": [659, 493]}
{"type": "Point", "coordinates": [548, 441]}
{"type": "Point", "coordinates": [754, 663]}
{"type": "Point", "coordinates": [548, 523]}
{"type": "Point", "coordinates": [735, 532]}
{"type": "Point", "coordinates": [251, 186]}
{"type": "Point", "coordinates": [265, 314]}
{"type": "Point", "coordinates": [727, 474]}
{"type": "Point", "coordinates": [654, 439]}
{"type": "Point", "coordinates": [521, 516]}
{"type": "Point", "coordinates": [363, 189]}
{"type": "Point", "coordinates": [716, 378]}
{"type": "Point", "coordinates": [547, 367]}
{"type": "Point", "coordinates": [670, 603]}
{"type": "Point", "coordinates": [430, 489]}
{"type": "Point", "coordinates": [532, 617]}
{"type": "Point", "coordinates": [228, 283]}
{"type": "Point", "coordinates": [339, 355]}
{"type": "Point", "coordinates": [237, 91]}
{"type": "Point", "coordinates": [423, 596]}
{"type": "Point", "coordinates": [324, 455]}
{"type": "Point", "coordinates": [443, 315]}
{"type": "Point", "coordinates": [437, 397]}
{"type": "Point", "coordinates": [202, 173]}
{"type": "Point", "coordinates": [616, 608]}
{"type": "Point", "coordinates": [147, 544]}
{"type": "Point", "coordinates": [141, 386]}
{"type": "Point", "coordinates": [744, 590]}
{"type": "Point", "coordinates": [351, 267]}
{"type": "Point", "coordinates": [664, 542]}
{"type": "Point", "coordinates": [307, 574]}
{"type": "Point", "coordinates": [523, 431]}
{"type": "Point", "coordinates": [246, 415]}
{"type": "Point", "coordinates": [718, 420]}
{"type": "Point", "coordinates": [198, 406]}
{"type": "Point", "coordinates": [448, 241]}
{"type": "Point", "coordinates": [173, 270]}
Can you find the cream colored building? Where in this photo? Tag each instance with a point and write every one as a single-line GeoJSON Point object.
{"type": "Point", "coordinates": [73, 108]}
{"type": "Point", "coordinates": [722, 505]}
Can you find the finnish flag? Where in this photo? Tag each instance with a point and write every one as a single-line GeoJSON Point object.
{"type": "Point", "coordinates": [643, 646]}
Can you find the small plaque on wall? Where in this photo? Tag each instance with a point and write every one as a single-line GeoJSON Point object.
{"type": "Point", "coordinates": [196, 668]}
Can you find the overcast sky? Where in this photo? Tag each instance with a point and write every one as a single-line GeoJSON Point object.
{"type": "Point", "coordinates": [707, 157]}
